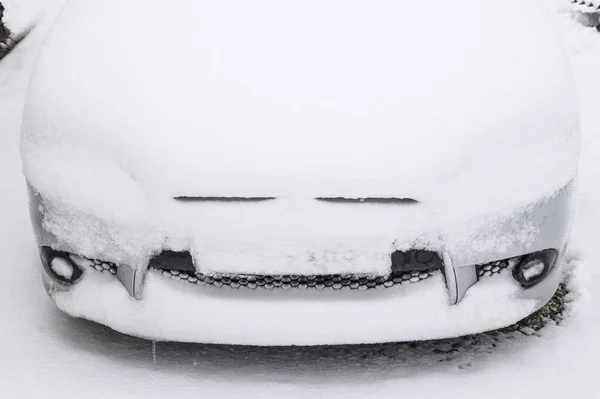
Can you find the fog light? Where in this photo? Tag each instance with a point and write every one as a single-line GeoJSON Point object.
{"type": "Point", "coordinates": [59, 266]}
{"type": "Point", "coordinates": [533, 268]}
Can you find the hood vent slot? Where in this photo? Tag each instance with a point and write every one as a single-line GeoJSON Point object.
{"type": "Point", "coordinates": [337, 200]}
{"type": "Point", "coordinates": [223, 199]}
{"type": "Point", "coordinates": [368, 200]}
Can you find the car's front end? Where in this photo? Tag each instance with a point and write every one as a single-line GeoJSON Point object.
{"type": "Point", "coordinates": [402, 287]}
{"type": "Point", "coordinates": [305, 187]}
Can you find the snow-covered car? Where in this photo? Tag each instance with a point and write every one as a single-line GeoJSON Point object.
{"type": "Point", "coordinates": [301, 172]}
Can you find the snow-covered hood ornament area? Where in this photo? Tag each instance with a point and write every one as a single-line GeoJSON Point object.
{"type": "Point", "coordinates": [321, 142]}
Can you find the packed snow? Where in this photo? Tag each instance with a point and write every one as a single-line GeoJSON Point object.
{"type": "Point", "coordinates": [46, 354]}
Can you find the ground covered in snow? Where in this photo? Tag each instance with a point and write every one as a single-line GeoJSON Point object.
{"type": "Point", "coordinates": [46, 354]}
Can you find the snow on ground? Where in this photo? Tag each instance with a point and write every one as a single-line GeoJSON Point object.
{"type": "Point", "coordinates": [46, 354]}
{"type": "Point", "coordinates": [21, 15]}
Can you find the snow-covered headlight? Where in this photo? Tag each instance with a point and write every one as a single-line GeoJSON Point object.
{"type": "Point", "coordinates": [533, 268]}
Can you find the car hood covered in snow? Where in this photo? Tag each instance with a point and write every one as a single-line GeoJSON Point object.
{"type": "Point", "coordinates": [330, 99]}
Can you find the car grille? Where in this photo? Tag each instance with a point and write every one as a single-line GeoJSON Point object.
{"type": "Point", "coordinates": [317, 282]}
{"type": "Point", "coordinates": [493, 268]}
{"type": "Point", "coordinates": [95, 264]}
{"type": "Point", "coordinates": [302, 282]}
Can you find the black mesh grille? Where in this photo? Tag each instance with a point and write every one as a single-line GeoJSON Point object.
{"type": "Point", "coordinates": [96, 264]}
{"type": "Point", "coordinates": [318, 282]}
{"type": "Point", "coordinates": [493, 268]}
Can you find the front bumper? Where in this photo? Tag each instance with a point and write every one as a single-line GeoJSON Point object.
{"type": "Point", "coordinates": [176, 311]}
{"type": "Point", "coordinates": [144, 303]}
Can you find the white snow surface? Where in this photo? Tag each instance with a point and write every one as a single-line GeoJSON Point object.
{"type": "Point", "coordinates": [297, 100]}
{"type": "Point", "coordinates": [295, 318]}
{"type": "Point", "coordinates": [584, 6]}
{"type": "Point", "coordinates": [21, 15]}
{"type": "Point", "coordinates": [46, 354]}
{"type": "Point", "coordinates": [62, 267]}
{"type": "Point", "coordinates": [292, 100]}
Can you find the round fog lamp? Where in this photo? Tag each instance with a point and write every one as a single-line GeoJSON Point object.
{"type": "Point", "coordinates": [533, 268]}
{"type": "Point", "coordinates": [59, 266]}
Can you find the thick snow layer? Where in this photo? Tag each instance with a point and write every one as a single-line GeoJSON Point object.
{"type": "Point", "coordinates": [301, 99]}
{"type": "Point", "coordinates": [291, 100]}
{"type": "Point", "coordinates": [46, 354]}
{"type": "Point", "coordinates": [293, 237]}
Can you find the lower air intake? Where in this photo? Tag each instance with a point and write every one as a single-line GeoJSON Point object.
{"type": "Point", "coordinates": [317, 282]}
{"type": "Point", "coordinates": [493, 268]}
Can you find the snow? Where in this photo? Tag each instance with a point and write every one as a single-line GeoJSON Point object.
{"type": "Point", "coordinates": [533, 270]}
{"type": "Point", "coordinates": [21, 15]}
{"type": "Point", "coordinates": [587, 7]}
{"type": "Point", "coordinates": [46, 354]}
{"type": "Point", "coordinates": [62, 268]}
{"type": "Point", "coordinates": [378, 116]}
{"type": "Point", "coordinates": [242, 127]}
{"type": "Point", "coordinates": [277, 238]}
{"type": "Point", "coordinates": [283, 317]}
